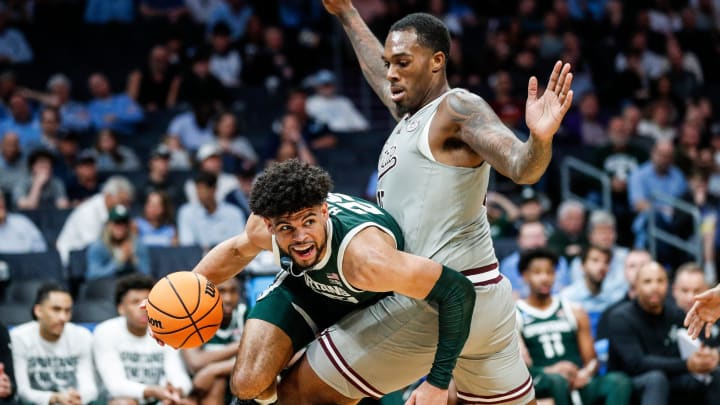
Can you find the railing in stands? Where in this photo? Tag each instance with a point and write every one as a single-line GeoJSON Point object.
{"type": "Point", "coordinates": [570, 164]}
{"type": "Point", "coordinates": [692, 245]}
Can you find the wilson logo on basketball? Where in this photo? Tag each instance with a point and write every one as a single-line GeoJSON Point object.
{"type": "Point", "coordinates": [210, 289]}
{"type": "Point", "coordinates": [155, 323]}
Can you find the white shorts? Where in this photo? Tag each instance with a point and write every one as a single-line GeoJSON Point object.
{"type": "Point", "coordinates": [392, 344]}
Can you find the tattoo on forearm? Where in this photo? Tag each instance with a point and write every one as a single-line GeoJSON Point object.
{"type": "Point", "coordinates": [483, 131]}
{"type": "Point", "coordinates": [368, 50]}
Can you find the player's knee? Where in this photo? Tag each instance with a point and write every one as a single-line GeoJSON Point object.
{"type": "Point", "coordinates": [557, 382]}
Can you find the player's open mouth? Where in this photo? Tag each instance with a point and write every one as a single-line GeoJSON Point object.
{"type": "Point", "coordinates": [396, 94]}
{"type": "Point", "coordinates": [304, 252]}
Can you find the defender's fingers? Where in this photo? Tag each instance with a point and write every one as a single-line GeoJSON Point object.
{"type": "Point", "coordinates": [554, 76]}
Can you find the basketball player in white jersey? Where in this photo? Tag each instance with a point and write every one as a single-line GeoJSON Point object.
{"type": "Point", "coordinates": [433, 178]}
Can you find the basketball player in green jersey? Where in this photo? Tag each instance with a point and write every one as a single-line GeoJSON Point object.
{"type": "Point", "coordinates": [338, 254]}
{"type": "Point", "coordinates": [560, 345]}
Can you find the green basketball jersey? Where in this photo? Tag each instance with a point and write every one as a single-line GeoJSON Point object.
{"type": "Point", "coordinates": [550, 334]}
{"type": "Point", "coordinates": [348, 216]}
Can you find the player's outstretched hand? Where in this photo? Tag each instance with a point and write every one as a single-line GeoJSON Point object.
{"type": "Point", "coordinates": [543, 115]}
{"type": "Point", "coordinates": [143, 304]}
{"type": "Point", "coordinates": [704, 312]}
{"type": "Point", "coordinates": [337, 7]}
{"type": "Point", "coordinates": [427, 394]}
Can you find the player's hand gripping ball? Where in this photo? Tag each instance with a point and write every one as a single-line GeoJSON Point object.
{"type": "Point", "coordinates": [184, 310]}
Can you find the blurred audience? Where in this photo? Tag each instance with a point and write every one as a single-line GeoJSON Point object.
{"type": "Point", "coordinates": [52, 356]}
{"type": "Point", "coordinates": [156, 226]}
{"type": "Point", "coordinates": [18, 233]}
{"type": "Point", "coordinates": [328, 107]}
{"type": "Point", "coordinates": [118, 112]}
{"type": "Point", "coordinates": [41, 189]}
{"type": "Point", "coordinates": [111, 155]}
{"type": "Point", "coordinates": [156, 86]}
{"type": "Point", "coordinates": [8, 388]}
{"type": "Point", "coordinates": [119, 250]}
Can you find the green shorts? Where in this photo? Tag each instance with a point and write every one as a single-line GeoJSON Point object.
{"type": "Point", "coordinates": [301, 313]}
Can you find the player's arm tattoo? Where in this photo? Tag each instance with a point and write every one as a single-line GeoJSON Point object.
{"type": "Point", "coordinates": [369, 53]}
{"type": "Point", "coordinates": [483, 131]}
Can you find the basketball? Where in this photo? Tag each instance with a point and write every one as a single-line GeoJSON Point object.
{"type": "Point", "coordinates": [184, 309]}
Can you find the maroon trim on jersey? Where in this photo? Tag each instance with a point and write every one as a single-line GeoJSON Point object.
{"type": "Point", "coordinates": [483, 269]}
{"type": "Point", "coordinates": [346, 371]}
{"type": "Point", "coordinates": [488, 399]}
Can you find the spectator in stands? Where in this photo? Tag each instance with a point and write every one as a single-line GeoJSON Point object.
{"type": "Point", "coordinates": [602, 232]}
{"type": "Point", "coordinates": [119, 250]}
{"type": "Point", "coordinates": [658, 175]}
{"type": "Point", "coordinates": [200, 9]}
{"type": "Point", "coordinates": [193, 128]}
{"type": "Point", "coordinates": [684, 71]}
{"type": "Point", "coordinates": [658, 126]}
{"type": "Point", "coordinates": [501, 212]}
{"type": "Point", "coordinates": [291, 144]}
{"type": "Point", "coordinates": [643, 343]}
{"type": "Point", "coordinates": [53, 357]}
{"type": "Point", "coordinates": [209, 160]}
{"type": "Point", "coordinates": [208, 222]}
{"type": "Point", "coordinates": [199, 85]}
{"type": "Point", "coordinates": [18, 233]}
{"type": "Point", "coordinates": [111, 156]}
{"type": "Point", "coordinates": [158, 177]}
{"type": "Point", "coordinates": [560, 345]}
{"type": "Point", "coordinates": [234, 13]}
{"type": "Point", "coordinates": [509, 109]}
{"type": "Point", "coordinates": [326, 106]}
{"type": "Point", "coordinates": [651, 63]}
{"type": "Point", "coordinates": [117, 112]}
{"type": "Point", "coordinates": [66, 156]}
{"type": "Point", "coordinates": [633, 261]}
{"type": "Point", "coordinates": [75, 116]}
{"type": "Point", "coordinates": [225, 61]}
{"type": "Point", "coordinates": [8, 389]}
{"type": "Point", "coordinates": [12, 163]}
{"type": "Point", "coordinates": [50, 128]}
{"type": "Point", "coordinates": [22, 122]}
{"type": "Point", "coordinates": [212, 363]}
{"type": "Point", "coordinates": [156, 86]}
{"type": "Point", "coordinates": [41, 189]}
{"type": "Point", "coordinates": [588, 292]}
{"type": "Point", "coordinates": [688, 148]}
{"type": "Point", "coordinates": [532, 208]}
{"type": "Point", "coordinates": [155, 227]}
{"type": "Point", "coordinates": [586, 125]}
{"type": "Point", "coordinates": [131, 365]}
{"type": "Point", "coordinates": [315, 133]}
{"type": "Point", "coordinates": [237, 151]}
{"type": "Point", "coordinates": [239, 197]}
{"type": "Point", "coordinates": [14, 48]}
{"type": "Point", "coordinates": [689, 281]}
{"type": "Point", "coordinates": [531, 235]}
{"type": "Point", "coordinates": [85, 224]}
{"type": "Point", "coordinates": [618, 158]}
{"type": "Point", "coordinates": [179, 156]}
{"type": "Point", "coordinates": [568, 238]}
{"type": "Point", "coordinates": [266, 61]}
{"type": "Point", "coordinates": [103, 12]}
{"type": "Point", "coordinates": [84, 183]}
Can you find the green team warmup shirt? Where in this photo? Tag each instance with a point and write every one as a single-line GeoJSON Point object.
{"type": "Point", "coordinates": [550, 334]}
{"type": "Point", "coordinates": [303, 303]}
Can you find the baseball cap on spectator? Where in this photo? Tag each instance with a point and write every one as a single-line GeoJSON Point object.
{"type": "Point", "coordinates": [161, 151]}
{"type": "Point", "coordinates": [528, 194]}
{"type": "Point", "coordinates": [206, 151]}
{"type": "Point", "coordinates": [119, 213]}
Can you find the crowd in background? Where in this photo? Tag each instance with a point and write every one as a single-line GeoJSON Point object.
{"type": "Point", "coordinates": [143, 123]}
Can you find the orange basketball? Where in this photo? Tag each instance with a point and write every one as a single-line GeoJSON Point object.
{"type": "Point", "coordinates": [184, 309]}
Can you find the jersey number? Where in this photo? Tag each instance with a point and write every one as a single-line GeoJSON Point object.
{"type": "Point", "coordinates": [355, 206]}
{"type": "Point", "coordinates": [552, 345]}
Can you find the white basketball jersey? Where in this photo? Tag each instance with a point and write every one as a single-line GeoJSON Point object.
{"type": "Point", "coordinates": [440, 208]}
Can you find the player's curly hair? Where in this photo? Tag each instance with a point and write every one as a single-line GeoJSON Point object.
{"type": "Point", "coordinates": [287, 187]}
